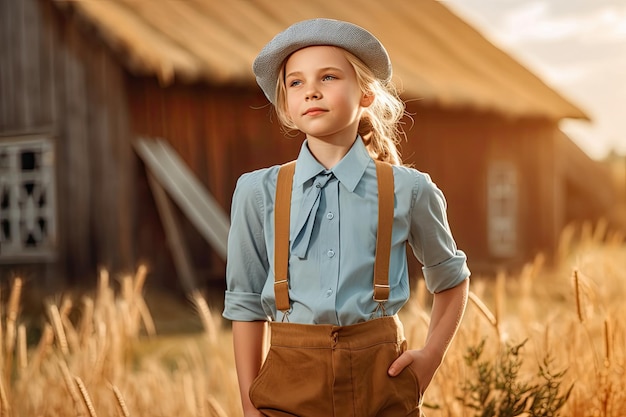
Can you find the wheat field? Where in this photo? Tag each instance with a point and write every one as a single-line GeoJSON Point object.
{"type": "Point", "coordinates": [100, 355]}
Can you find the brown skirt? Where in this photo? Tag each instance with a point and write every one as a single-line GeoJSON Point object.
{"type": "Point", "coordinates": [326, 370]}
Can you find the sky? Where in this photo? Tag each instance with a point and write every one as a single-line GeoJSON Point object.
{"type": "Point", "coordinates": [577, 47]}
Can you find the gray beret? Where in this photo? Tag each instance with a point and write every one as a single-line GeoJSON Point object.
{"type": "Point", "coordinates": [348, 36]}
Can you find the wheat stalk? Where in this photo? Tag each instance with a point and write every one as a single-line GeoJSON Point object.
{"type": "Point", "coordinates": [140, 279]}
{"type": "Point", "coordinates": [146, 317]}
{"type": "Point", "coordinates": [5, 408]}
{"type": "Point", "coordinates": [69, 330]}
{"type": "Point", "coordinates": [22, 348]}
{"type": "Point", "coordinates": [70, 385]}
{"type": "Point", "coordinates": [607, 343]}
{"type": "Point", "coordinates": [57, 326]}
{"type": "Point", "coordinates": [140, 302]}
{"type": "Point", "coordinates": [131, 315]}
{"type": "Point", "coordinates": [10, 345]}
{"type": "Point", "coordinates": [205, 315]}
{"type": "Point", "coordinates": [11, 324]}
{"type": "Point", "coordinates": [14, 299]}
{"type": "Point", "coordinates": [104, 297]}
{"type": "Point", "coordinates": [103, 281]}
{"type": "Point", "coordinates": [577, 290]}
{"type": "Point", "coordinates": [485, 312]}
{"type": "Point", "coordinates": [85, 396]}
{"type": "Point", "coordinates": [121, 404]}
{"type": "Point", "coordinates": [102, 342]}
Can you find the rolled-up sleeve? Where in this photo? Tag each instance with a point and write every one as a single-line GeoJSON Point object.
{"type": "Point", "coordinates": [247, 263]}
{"type": "Point", "coordinates": [444, 265]}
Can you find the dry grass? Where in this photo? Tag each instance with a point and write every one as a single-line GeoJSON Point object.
{"type": "Point", "coordinates": [573, 312]}
{"type": "Point", "coordinates": [110, 362]}
{"type": "Point", "coordinates": [103, 357]}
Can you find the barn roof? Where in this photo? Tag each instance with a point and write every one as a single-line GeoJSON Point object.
{"type": "Point", "coordinates": [437, 57]}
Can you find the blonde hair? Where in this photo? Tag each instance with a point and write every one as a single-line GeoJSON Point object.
{"type": "Point", "coordinates": [380, 122]}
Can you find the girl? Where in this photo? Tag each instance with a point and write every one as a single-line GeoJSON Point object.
{"type": "Point", "coordinates": [318, 250]}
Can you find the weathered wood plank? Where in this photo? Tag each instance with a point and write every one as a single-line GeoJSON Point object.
{"type": "Point", "coordinates": [74, 145]}
{"type": "Point", "coordinates": [48, 72]}
{"type": "Point", "coordinates": [8, 61]}
{"type": "Point", "coordinates": [176, 242]}
{"type": "Point", "coordinates": [126, 168]}
{"type": "Point", "coordinates": [190, 195]}
{"type": "Point", "coordinates": [30, 67]}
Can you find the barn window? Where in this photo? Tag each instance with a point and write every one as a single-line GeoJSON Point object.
{"type": "Point", "coordinates": [27, 199]}
{"type": "Point", "coordinates": [502, 200]}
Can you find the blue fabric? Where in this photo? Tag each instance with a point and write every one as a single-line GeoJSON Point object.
{"type": "Point", "coordinates": [333, 238]}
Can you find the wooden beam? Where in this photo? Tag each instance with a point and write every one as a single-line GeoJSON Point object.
{"type": "Point", "coordinates": [175, 240]}
{"type": "Point", "coordinates": [187, 191]}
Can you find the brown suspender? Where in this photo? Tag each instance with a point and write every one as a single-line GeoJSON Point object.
{"type": "Point", "coordinates": [282, 213]}
{"type": "Point", "coordinates": [384, 174]}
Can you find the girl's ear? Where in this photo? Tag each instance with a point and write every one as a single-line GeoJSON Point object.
{"type": "Point", "coordinates": [367, 99]}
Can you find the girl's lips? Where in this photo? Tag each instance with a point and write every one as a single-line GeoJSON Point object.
{"type": "Point", "coordinates": [313, 111]}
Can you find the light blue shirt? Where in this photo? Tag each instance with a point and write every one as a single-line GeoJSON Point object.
{"type": "Point", "coordinates": [334, 217]}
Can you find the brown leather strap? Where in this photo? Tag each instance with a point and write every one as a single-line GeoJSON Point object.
{"type": "Point", "coordinates": [282, 213]}
{"type": "Point", "coordinates": [384, 174]}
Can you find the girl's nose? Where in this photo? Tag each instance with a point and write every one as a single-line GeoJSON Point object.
{"type": "Point", "coordinates": [313, 94]}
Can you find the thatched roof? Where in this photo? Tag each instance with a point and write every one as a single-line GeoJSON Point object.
{"type": "Point", "coordinates": [437, 57]}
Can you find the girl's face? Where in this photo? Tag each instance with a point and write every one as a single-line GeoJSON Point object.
{"type": "Point", "coordinates": [323, 97]}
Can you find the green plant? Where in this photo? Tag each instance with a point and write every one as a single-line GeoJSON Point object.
{"type": "Point", "coordinates": [499, 390]}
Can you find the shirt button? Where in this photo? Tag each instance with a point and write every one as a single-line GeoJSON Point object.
{"type": "Point", "coordinates": [318, 185]}
{"type": "Point", "coordinates": [330, 216]}
{"type": "Point", "coordinates": [330, 253]}
{"type": "Point", "coordinates": [329, 292]}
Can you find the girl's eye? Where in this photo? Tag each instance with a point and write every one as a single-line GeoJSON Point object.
{"type": "Point", "coordinates": [329, 77]}
{"type": "Point", "coordinates": [295, 83]}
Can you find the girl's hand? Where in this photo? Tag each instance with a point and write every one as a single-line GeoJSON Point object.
{"type": "Point", "coordinates": [420, 362]}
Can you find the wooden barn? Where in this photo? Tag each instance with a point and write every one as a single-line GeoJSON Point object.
{"type": "Point", "coordinates": [86, 88]}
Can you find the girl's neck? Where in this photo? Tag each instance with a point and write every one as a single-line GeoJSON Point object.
{"type": "Point", "coordinates": [329, 153]}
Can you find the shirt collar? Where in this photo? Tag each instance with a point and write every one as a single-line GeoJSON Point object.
{"type": "Point", "coordinates": [348, 171]}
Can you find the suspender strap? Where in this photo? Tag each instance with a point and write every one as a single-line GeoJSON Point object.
{"type": "Point", "coordinates": [384, 174]}
{"type": "Point", "coordinates": [282, 213]}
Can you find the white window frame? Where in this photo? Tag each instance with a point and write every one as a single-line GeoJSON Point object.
{"type": "Point", "coordinates": [28, 220]}
{"type": "Point", "coordinates": [502, 209]}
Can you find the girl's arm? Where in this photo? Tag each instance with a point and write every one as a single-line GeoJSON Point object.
{"type": "Point", "coordinates": [248, 339]}
{"type": "Point", "coordinates": [446, 315]}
